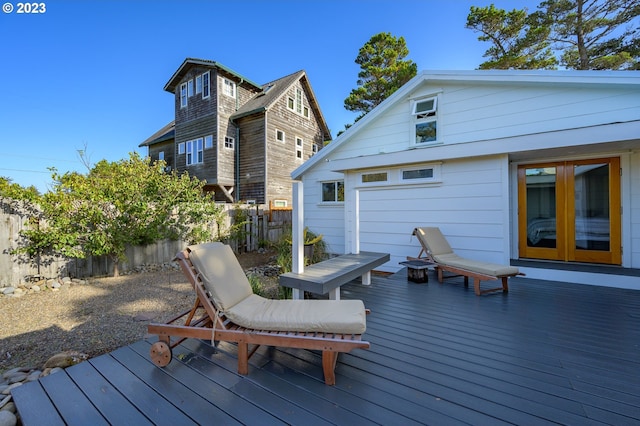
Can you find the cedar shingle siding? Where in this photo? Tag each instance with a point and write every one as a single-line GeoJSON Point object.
{"type": "Point", "coordinates": [257, 166]}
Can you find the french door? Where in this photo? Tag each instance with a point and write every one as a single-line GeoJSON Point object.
{"type": "Point", "coordinates": [570, 211]}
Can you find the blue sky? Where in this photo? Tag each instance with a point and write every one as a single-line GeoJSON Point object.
{"type": "Point", "coordinates": [90, 74]}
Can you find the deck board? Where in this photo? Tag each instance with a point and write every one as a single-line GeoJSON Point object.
{"type": "Point", "coordinates": [545, 353]}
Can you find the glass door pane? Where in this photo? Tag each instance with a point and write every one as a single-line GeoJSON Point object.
{"type": "Point", "coordinates": [591, 208]}
{"type": "Point", "coordinates": [541, 207]}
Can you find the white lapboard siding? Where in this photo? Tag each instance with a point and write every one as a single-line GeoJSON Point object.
{"type": "Point", "coordinates": [469, 205]}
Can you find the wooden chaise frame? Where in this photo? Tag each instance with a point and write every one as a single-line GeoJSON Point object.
{"type": "Point", "coordinates": [425, 254]}
{"type": "Point", "coordinates": [203, 328]}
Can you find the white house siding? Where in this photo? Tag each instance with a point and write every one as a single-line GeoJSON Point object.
{"type": "Point", "coordinates": [488, 111]}
{"type": "Point", "coordinates": [469, 204]}
{"type": "Point", "coordinates": [327, 218]}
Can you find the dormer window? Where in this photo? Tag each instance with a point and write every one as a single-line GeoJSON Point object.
{"type": "Point", "coordinates": [424, 123]}
{"type": "Point", "coordinates": [229, 88]}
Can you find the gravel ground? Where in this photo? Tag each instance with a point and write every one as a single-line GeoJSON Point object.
{"type": "Point", "coordinates": [93, 318]}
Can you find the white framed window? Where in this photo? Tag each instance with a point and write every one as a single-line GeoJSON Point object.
{"type": "Point", "coordinates": [425, 120]}
{"type": "Point", "coordinates": [181, 149]}
{"type": "Point", "coordinates": [229, 142]}
{"type": "Point", "coordinates": [423, 174]}
{"type": "Point", "coordinates": [296, 104]}
{"type": "Point", "coordinates": [183, 95]}
{"type": "Point", "coordinates": [194, 152]}
{"type": "Point", "coordinates": [161, 156]}
{"type": "Point", "coordinates": [206, 87]}
{"type": "Point", "coordinates": [208, 141]}
{"type": "Point", "coordinates": [333, 191]}
{"type": "Point", "coordinates": [298, 101]}
{"type": "Point", "coordinates": [299, 148]}
{"type": "Point", "coordinates": [190, 87]}
{"type": "Point", "coordinates": [280, 136]}
{"type": "Point", "coordinates": [374, 177]}
{"type": "Point", "coordinates": [229, 88]}
{"type": "Point", "coordinates": [198, 84]}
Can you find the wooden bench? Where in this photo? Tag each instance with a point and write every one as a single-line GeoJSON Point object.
{"type": "Point", "coordinates": [327, 276]}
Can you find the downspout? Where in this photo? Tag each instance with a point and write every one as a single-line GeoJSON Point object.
{"type": "Point", "coordinates": [237, 171]}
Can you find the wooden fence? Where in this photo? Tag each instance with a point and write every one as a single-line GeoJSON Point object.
{"type": "Point", "coordinates": [262, 227]}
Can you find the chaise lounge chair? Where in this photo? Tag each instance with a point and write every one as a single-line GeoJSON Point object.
{"type": "Point", "coordinates": [233, 313]}
{"type": "Point", "coordinates": [437, 250]}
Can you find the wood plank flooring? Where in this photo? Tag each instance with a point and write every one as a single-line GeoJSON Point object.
{"type": "Point", "coordinates": [545, 353]}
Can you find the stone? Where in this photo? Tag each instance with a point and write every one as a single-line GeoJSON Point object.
{"type": "Point", "coordinates": [66, 280]}
{"type": "Point", "coordinates": [55, 285]}
{"type": "Point", "coordinates": [11, 407]}
{"type": "Point", "coordinates": [65, 359]}
{"type": "Point", "coordinates": [35, 288]}
{"type": "Point", "coordinates": [5, 401]}
{"type": "Point", "coordinates": [33, 376]}
{"type": "Point", "coordinates": [7, 418]}
{"type": "Point", "coordinates": [9, 388]}
{"type": "Point", "coordinates": [8, 290]}
{"type": "Point", "coordinates": [17, 377]}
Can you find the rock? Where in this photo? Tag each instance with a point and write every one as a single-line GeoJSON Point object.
{"type": "Point", "coordinates": [5, 401]}
{"type": "Point", "coordinates": [55, 285]}
{"type": "Point", "coordinates": [65, 359]}
{"type": "Point", "coordinates": [7, 418]}
{"type": "Point", "coordinates": [7, 391]}
{"type": "Point", "coordinates": [11, 407]}
{"type": "Point", "coordinates": [48, 371]}
{"type": "Point", "coordinates": [33, 376]}
{"type": "Point", "coordinates": [8, 290]}
{"type": "Point", "coordinates": [35, 288]}
{"type": "Point", "coordinates": [66, 280]}
{"type": "Point", "coordinates": [144, 317]}
{"type": "Point", "coordinates": [17, 377]}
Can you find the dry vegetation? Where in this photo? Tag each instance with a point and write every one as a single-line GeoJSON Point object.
{"type": "Point", "coordinates": [94, 318]}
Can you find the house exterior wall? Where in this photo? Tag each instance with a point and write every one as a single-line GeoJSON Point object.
{"type": "Point", "coordinates": [197, 120]}
{"type": "Point", "coordinates": [485, 129]}
{"type": "Point", "coordinates": [169, 150]}
{"type": "Point", "coordinates": [252, 158]}
{"type": "Point", "coordinates": [282, 155]}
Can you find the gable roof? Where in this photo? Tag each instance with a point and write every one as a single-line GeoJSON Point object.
{"type": "Point", "coordinates": [190, 62]}
{"type": "Point", "coordinates": [533, 77]}
{"type": "Point", "coordinates": [166, 133]}
{"type": "Point", "coordinates": [273, 91]}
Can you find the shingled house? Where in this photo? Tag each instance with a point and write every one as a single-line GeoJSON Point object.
{"type": "Point", "coordinates": [243, 138]}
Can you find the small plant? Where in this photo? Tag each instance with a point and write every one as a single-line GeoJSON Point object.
{"type": "Point", "coordinates": [283, 249]}
{"type": "Point", "coordinates": [256, 284]}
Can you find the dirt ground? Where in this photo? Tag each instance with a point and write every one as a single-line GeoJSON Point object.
{"type": "Point", "coordinates": [97, 317]}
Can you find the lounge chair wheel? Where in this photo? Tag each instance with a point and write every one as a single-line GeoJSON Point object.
{"type": "Point", "coordinates": [160, 354]}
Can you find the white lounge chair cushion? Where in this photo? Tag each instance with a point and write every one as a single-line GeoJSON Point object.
{"type": "Point", "coordinates": [433, 239]}
{"type": "Point", "coordinates": [441, 252]}
{"type": "Point", "coordinates": [221, 274]}
{"type": "Point", "coordinates": [229, 288]}
{"type": "Point", "coordinates": [331, 316]}
{"type": "Point", "coordinates": [491, 269]}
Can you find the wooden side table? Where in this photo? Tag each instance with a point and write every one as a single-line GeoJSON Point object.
{"type": "Point", "coordinates": [417, 270]}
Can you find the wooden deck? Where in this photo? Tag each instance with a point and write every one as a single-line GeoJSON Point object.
{"type": "Point", "coordinates": [545, 353]}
